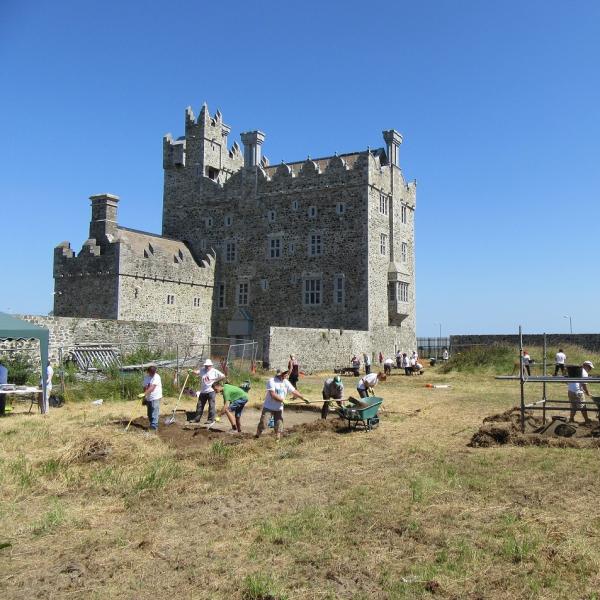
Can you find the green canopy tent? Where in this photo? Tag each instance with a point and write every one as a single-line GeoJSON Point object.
{"type": "Point", "coordinates": [12, 328]}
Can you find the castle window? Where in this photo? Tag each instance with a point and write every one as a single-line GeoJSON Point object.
{"type": "Point", "coordinates": [404, 251]}
{"type": "Point", "coordinates": [170, 299]}
{"type": "Point", "coordinates": [230, 252]}
{"type": "Point", "coordinates": [212, 173]}
{"type": "Point", "coordinates": [228, 221]}
{"type": "Point", "coordinates": [340, 208]}
{"type": "Point", "coordinates": [315, 246]}
{"type": "Point", "coordinates": [403, 213]}
{"type": "Point", "coordinates": [203, 245]}
{"type": "Point", "coordinates": [208, 221]}
{"type": "Point", "coordinates": [291, 248]}
{"type": "Point", "coordinates": [264, 284]}
{"type": "Point", "coordinates": [295, 205]}
{"type": "Point", "coordinates": [136, 292]}
{"type": "Point", "coordinates": [403, 291]}
{"type": "Point", "coordinates": [338, 289]}
{"type": "Point", "coordinates": [312, 212]}
{"type": "Point", "coordinates": [271, 216]}
{"type": "Point", "coordinates": [196, 302]}
{"type": "Point", "coordinates": [221, 295]}
{"type": "Point", "coordinates": [312, 291]}
{"type": "Point", "coordinates": [242, 295]}
{"type": "Point", "coordinates": [383, 243]}
{"type": "Point", "coordinates": [383, 204]}
{"type": "Point", "coordinates": [275, 247]}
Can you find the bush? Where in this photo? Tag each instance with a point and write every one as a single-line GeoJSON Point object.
{"type": "Point", "coordinates": [21, 369]}
{"type": "Point", "coordinates": [144, 355]}
{"type": "Point", "coordinates": [498, 358]}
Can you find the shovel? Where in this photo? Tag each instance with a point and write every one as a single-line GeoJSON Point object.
{"type": "Point", "coordinates": [170, 420]}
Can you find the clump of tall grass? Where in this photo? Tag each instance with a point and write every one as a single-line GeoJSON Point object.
{"type": "Point", "coordinates": [497, 358]}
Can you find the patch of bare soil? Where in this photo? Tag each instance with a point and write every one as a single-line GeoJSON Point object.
{"type": "Point", "coordinates": [185, 435]}
{"type": "Point", "coordinates": [505, 429]}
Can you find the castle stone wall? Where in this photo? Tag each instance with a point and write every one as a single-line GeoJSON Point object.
{"type": "Point", "coordinates": [316, 349]}
{"type": "Point", "coordinates": [68, 331]}
{"type": "Point", "coordinates": [589, 341]}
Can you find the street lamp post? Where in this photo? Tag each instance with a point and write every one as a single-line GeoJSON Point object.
{"type": "Point", "coordinates": [570, 322]}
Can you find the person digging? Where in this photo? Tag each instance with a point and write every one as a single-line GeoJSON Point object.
{"type": "Point", "coordinates": [577, 392]}
{"type": "Point", "coordinates": [333, 389]}
{"type": "Point", "coordinates": [277, 389]}
{"type": "Point", "coordinates": [235, 399]}
{"type": "Point", "coordinates": [368, 382]}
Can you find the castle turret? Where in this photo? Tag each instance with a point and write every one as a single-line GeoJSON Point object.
{"type": "Point", "coordinates": [252, 141]}
{"type": "Point", "coordinates": [104, 216]}
{"type": "Point", "coordinates": [393, 140]}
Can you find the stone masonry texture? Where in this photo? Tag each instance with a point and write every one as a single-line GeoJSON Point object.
{"type": "Point", "coordinates": [70, 331]}
{"type": "Point", "coordinates": [277, 254]}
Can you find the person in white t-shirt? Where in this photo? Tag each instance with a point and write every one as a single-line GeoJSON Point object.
{"type": "Point", "coordinates": [368, 382]}
{"type": "Point", "coordinates": [388, 363]}
{"type": "Point", "coordinates": [526, 363]}
{"type": "Point", "coordinates": [152, 396]}
{"type": "Point", "coordinates": [577, 392]}
{"type": "Point", "coordinates": [559, 362]}
{"type": "Point", "coordinates": [208, 376]}
{"type": "Point", "coordinates": [277, 389]}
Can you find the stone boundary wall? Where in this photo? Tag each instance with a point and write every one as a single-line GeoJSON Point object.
{"type": "Point", "coordinates": [316, 349]}
{"type": "Point", "coordinates": [68, 331]}
{"type": "Point", "coordinates": [589, 341]}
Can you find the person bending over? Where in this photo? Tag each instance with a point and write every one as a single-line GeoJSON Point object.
{"type": "Point", "coordinates": [333, 389]}
{"type": "Point", "coordinates": [368, 382]}
{"type": "Point", "coordinates": [235, 399]}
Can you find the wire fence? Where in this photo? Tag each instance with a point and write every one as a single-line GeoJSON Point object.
{"type": "Point", "coordinates": [122, 361]}
{"type": "Point", "coordinates": [432, 347]}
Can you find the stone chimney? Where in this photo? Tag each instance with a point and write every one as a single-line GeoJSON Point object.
{"type": "Point", "coordinates": [104, 216]}
{"type": "Point", "coordinates": [393, 139]}
{"type": "Point", "coordinates": [252, 141]}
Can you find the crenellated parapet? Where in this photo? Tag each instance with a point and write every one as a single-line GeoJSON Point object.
{"type": "Point", "coordinates": [203, 151]}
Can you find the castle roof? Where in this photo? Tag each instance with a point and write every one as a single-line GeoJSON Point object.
{"type": "Point", "coordinates": [139, 241]}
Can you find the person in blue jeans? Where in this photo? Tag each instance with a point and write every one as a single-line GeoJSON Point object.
{"type": "Point", "coordinates": [152, 396]}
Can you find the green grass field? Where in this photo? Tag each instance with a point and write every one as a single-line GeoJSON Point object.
{"type": "Point", "coordinates": [406, 511]}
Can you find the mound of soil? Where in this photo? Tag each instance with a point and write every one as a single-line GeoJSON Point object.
{"type": "Point", "coordinates": [87, 450]}
{"type": "Point", "coordinates": [505, 428]}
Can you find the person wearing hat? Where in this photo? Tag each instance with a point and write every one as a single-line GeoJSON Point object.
{"type": "Point", "coordinates": [333, 389]}
{"type": "Point", "coordinates": [578, 391]}
{"type": "Point", "coordinates": [208, 376]}
{"type": "Point", "coordinates": [277, 389]}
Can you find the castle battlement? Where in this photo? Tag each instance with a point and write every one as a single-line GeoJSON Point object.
{"type": "Point", "coordinates": [249, 247]}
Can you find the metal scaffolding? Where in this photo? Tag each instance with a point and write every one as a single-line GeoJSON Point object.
{"type": "Point", "coordinates": [544, 404]}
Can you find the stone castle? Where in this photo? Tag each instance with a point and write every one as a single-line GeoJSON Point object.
{"type": "Point", "coordinates": [314, 256]}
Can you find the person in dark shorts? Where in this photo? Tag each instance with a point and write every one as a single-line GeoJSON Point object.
{"type": "Point", "coordinates": [294, 370]}
{"type": "Point", "coordinates": [333, 389]}
{"type": "Point", "coordinates": [235, 400]}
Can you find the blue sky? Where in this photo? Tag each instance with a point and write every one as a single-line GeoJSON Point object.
{"type": "Point", "coordinates": [498, 103]}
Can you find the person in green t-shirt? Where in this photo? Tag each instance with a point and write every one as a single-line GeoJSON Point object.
{"type": "Point", "coordinates": [235, 399]}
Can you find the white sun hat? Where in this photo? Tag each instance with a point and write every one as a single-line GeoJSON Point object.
{"type": "Point", "coordinates": [208, 363]}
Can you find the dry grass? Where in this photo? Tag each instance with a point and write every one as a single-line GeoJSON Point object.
{"type": "Point", "coordinates": [407, 511]}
